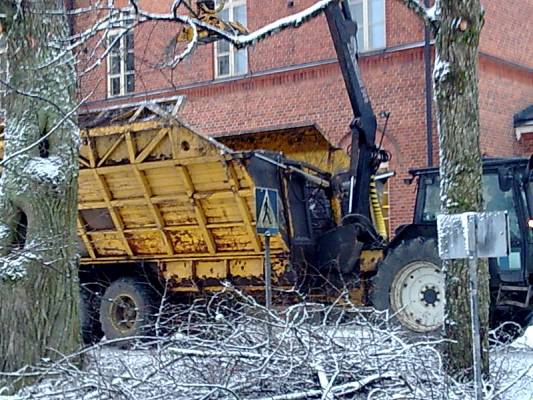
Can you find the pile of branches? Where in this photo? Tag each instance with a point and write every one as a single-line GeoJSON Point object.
{"type": "Point", "coordinates": [230, 347]}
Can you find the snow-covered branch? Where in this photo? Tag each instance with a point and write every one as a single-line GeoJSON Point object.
{"type": "Point", "coordinates": [220, 348]}
{"type": "Point", "coordinates": [430, 16]}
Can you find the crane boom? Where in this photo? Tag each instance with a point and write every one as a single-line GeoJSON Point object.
{"type": "Point", "coordinates": [364, 152]}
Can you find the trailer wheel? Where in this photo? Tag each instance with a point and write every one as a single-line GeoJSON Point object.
{"type": "Point", "coordinates": [128, 309]}
{"type": "Point", "coordinates": [410, 284]}
{"type": "Point", "coordinates": [91, 328]}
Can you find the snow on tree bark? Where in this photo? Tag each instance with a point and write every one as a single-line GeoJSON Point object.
{"type": "Point", "coordinates": [456, 93]}
{"type": "Point", "coordinates": [457, 25]}
{"type": "Point", "coordinates": [38, 190]}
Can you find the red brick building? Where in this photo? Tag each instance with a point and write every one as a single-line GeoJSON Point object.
{"type": "Point", "coordinates": [293, 78]}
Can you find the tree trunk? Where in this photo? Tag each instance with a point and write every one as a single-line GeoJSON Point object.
{"type": "Point", "coordinates": [38, 190]}
{"type": "Point", "coordinates": [456, 92]}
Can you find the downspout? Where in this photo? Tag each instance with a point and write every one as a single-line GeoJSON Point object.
{"type": "Point", "coordinates": [69, 4]}
{"type": "Point", "coordinates": [429, 85]}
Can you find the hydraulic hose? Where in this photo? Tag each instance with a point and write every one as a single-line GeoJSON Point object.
{"type": "Point", "coordinates": [377, 212]}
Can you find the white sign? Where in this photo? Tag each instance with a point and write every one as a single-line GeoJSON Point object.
{"type": "Point", "coordinates": [473, 234]}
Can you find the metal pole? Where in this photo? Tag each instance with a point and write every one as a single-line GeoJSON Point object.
{"type": "Point", "coordinates": [429, 97]}
{"type": "Point", "coordinates": [474, 317]}
{"type": "Point", "coordinates": [268, 273]}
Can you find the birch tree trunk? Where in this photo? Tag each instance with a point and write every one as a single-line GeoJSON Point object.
{"type": "Point", "coordinates": [456, 25]}
{"type": "Point", "coordinates": [38, 189]}
{"type": "Point", "coordinates": [456, 92]}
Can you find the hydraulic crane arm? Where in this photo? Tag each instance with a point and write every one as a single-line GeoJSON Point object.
{"type": "Point", "coordinates": [365, 156]}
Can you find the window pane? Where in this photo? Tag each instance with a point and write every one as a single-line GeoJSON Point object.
{"type": "Point", "coordinates": [376, 16]}
{"type": "Point", "coordinates": [432, 199]}
{"type": "Point", "coordinates": [222, 46]}
{"type": "Point", "coordinates": [224, 14]}
{"type": "Point", "coordinates": [376, 11]}
{"type": "Point", "coordinates": [497, 200]}
{"type": "Point", "coordinates": [129, 40]}
{"type": "Point", "coordinates": [377, 36]}
{"type": "Point", "coordinates": [115, 86]}
{"type": "Point", "coordinates": [130, 62]}
{"type": "Point", "coordinates": [130, 83]}
{"type": "Point", "coordinates": [239, 15]}
{"type": "Point", "coordinates": [241, 62]}
{"type": "Point", "coordinates": [223, 65]}
{"type": "Point", "coordinates": [356, 9]}
{"type": "Point", "coordinates": [114, 67]}
{"type": "Point", "coordinates": [116, 45]}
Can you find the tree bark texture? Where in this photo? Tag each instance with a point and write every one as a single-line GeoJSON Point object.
{"type": "Point", "coordinates": [38, 190]}
{"type": "Point", "coordinates": [456, 92]}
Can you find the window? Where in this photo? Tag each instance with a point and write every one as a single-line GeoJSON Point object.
{"type": "Point", "coordinates": [228, 60]}
{"type": "Point", "coordinates": [120, 60]}
{"type": "Point", "coordinates": [370, 18]}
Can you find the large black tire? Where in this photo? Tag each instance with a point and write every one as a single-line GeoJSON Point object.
{"type": "Point", "coordinates": [410, 284]}
{"type": "Point", "coordinates": [91, 329]}
{"type": "Point", "coordinates": [128, 308]}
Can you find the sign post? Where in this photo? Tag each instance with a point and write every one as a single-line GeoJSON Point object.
{"type": "Point", "coordinates": [472, 235]}
{"type": "Point", "coordinates": [267, 224]}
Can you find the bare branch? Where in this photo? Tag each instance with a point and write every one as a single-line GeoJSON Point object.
{"type": "Point", "coordinates": [428, 15]}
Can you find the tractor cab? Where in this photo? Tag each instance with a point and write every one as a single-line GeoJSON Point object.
{"type": "Point", "coordinates": [507, 186]}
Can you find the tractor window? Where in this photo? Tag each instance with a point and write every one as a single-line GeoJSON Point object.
{"type": "Point", "coordinates": [431, 199]}
{"type": "Point", "coordinates": [497, 200]}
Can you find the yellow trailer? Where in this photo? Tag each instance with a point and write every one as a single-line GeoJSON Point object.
{"type": "Point", "coordinates": [160, 204]}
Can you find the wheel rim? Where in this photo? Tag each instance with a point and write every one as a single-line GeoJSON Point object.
{"type": "Point", "coordinates": [417, 296]}
{"type": "Point", "coordinates": [123, 313]}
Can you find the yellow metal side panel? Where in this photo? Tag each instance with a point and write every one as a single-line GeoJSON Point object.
{"type": "Point", "coordinates": [107, 244]}
{"type": "Point", "coordinates": [103, 144]}
{"type": "Point", "coordinates": [232, 239]}
{"type": "Point", "coordinates": [177, 213]}
{"type": "Point", "coordinates": [165, 181]}
{"type": "Point", "coordinates": [187, 241]}
{"type": "Point", "coordinates": [246, 268]}
{"type": "Point", "coordinates": [242, 175]}
{"type": "Point", "coordinates": [221, 210]}
{"type": "Point", "coordinates": [136, 217]}
{"type": "Point", "coordinates": [211, 269]}
{"type": "Point", "coordinates": [87, 190]}
{"type": "Point", "coordinates": [147, 243]}
{"type": "Point", "coordinates": [123, 185]}
{"type": "Point", "coordinates": [209, 177]}
{"type": "Point", "coordinates": [306, 144]}
{"type": "Point", "coordinates": [161, 191]}
{"type": "Point", "coordinates": [179, 270]}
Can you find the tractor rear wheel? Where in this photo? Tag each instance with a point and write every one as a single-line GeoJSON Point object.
{"type": "Point", "coordinates": [128, 309]}
{"type": "Point", "coordinates": [410, 284]}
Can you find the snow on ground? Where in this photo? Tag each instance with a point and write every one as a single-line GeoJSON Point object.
{"type": "Point", "coordinates": [516, 361]}
{"type": "Point", "coordinates": [227, 353]}
{"type": "Point", "coordinates": [525, 341]}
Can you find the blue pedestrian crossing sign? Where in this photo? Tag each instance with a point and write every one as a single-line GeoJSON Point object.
{"type": "Point", "coordinates": [266, 211]}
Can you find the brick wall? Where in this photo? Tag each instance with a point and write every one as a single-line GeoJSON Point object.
{"type": "Point", "coordinates": [307, 44]}
{"type": "Point", "coordinates": [526, 144]}
{"type": "Point", "coordinates": [503, 36]}
{"type": "Point", "coordinates": [279, 90]}
{"type": "Point", "coordinates": [503, 91]}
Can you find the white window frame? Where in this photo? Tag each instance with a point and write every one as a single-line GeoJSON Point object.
{"type": "Point", "coordinates": [365, 46]}
{"type": "Point", "coordinates": [230, 6]}
{"type": "Point", "coordinates": [127, 21]}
